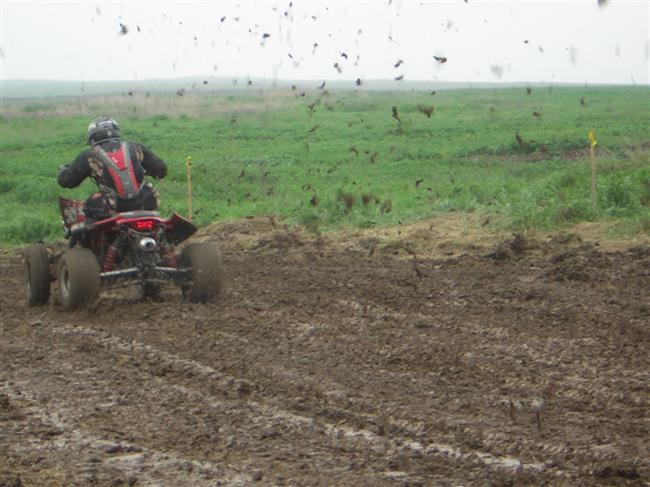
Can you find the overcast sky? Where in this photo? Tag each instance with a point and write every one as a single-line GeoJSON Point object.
{"type": "Point", "coordinates": [483, 40]}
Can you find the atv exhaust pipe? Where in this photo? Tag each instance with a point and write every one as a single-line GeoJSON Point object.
{"type": "Point", "coordinates": [148, 244]}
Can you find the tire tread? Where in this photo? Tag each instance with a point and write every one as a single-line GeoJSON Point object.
{"type": "Point", "coordinates": [37, 260]}
{"type": "Point", "coordinates": [207, 271]}
{"type": "Point", "coordinates": [84, 278]}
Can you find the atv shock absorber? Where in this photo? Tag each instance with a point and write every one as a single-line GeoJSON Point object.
{"type": "Point", "coordinates": [111, 255]}
{"type": "Point", "coordinates": [169, 256]}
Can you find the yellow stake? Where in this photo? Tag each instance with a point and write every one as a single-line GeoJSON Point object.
{"type": "Point", "coordinates": [188, 165]}
{"type": "Point", "coordinates": [592, 153]}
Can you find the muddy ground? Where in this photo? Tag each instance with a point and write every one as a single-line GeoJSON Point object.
{"type": "Point", "coordinates": [408, 357]}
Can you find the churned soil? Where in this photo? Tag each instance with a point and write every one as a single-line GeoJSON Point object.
{"type": "Point", "coordinates": [420, 355]}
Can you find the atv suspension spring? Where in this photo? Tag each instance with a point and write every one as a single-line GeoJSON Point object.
{"type": "Point", "coordinates": [169, 256]}
{"type": "Point", "coordinates": [109, 258]}
{"type": "Point", "coordinates": [111, 255]}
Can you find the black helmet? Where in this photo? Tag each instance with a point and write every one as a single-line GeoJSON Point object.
{"type": "Point", "coordinates": [102, 129]}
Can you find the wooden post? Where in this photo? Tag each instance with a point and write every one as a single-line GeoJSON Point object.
{"type": "Point", "coordinates": [592, 153]}
{"type": "Point", "coordinates": [188, 165]}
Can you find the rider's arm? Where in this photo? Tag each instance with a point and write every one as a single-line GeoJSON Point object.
{"type": "Point", "coordinates": [153, 164]}
{"type": "Point", "coordinates": [72, 175]}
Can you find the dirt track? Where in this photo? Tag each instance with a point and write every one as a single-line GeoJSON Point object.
{"type": "Point", "coordinates": [356, 361]}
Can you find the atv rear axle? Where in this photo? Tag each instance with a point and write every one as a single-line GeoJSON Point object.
{"type": "Point", "coordinates": [134, 271]}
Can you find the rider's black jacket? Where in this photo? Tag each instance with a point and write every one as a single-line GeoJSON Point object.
{"type": "Point", "coordinates": [87, 164]}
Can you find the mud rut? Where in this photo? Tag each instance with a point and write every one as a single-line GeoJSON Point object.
{"type": "Point", "coordinates": [329, 364]}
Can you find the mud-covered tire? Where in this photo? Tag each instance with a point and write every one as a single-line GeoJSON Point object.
{"type": "Point", "coordinates": [78, 278]}
{"type": "Point", "coordinates": [37, 274]}
{"type": "Point", "coordinates": [207, 278]}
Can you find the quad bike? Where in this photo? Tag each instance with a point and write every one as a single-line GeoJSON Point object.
{"type": "Point", "coordinates": [135, 245]}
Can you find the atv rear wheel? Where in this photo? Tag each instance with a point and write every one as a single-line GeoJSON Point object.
{"type": "Point", "coordinates": [78, 276]}
{"type": "Point", "coordinates": [37, 274]}
{"type": "Point", "coordinates": [207, 278]}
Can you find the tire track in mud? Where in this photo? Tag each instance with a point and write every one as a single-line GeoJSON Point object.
{"type": "Point", "coordinates": [528, 401]}
{"type": "Point", "coordinates": [492, 343]}
{"type": "Point", "coordinates": [531, 401]}
{"type": "Point", "coordinates": [263, 418]}
{"type": "Point", "coordinates": [589, 398]}
{"type": "Point", "coordinates": [361, 358]}
{"type": "Point", "coordinates": [580, 391]}
{"type": "Point", "coordinates": [96, 458]}
{"type": "Point", "coordinates": [198, 371]}
{"type": "Point", "coordinates": [358, 439]}
{"type": "Point", "coordinates": [185, 367]}
{"type": "Point", "coordinates": [187, 416]}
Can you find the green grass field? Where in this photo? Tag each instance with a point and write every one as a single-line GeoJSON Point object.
{"type": "Point", "coordinates": [347, 161]}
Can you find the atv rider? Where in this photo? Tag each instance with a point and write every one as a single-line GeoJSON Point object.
{"type": "Point", "coordinates": [118, 168]}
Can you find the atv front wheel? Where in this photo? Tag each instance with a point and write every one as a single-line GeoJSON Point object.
{"type": "Point", "coordinates": [37, 274]}
{"type": "Point", "coordinates": [78, 276]}
{"type": "Point", "coordinates": [207, 278]}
